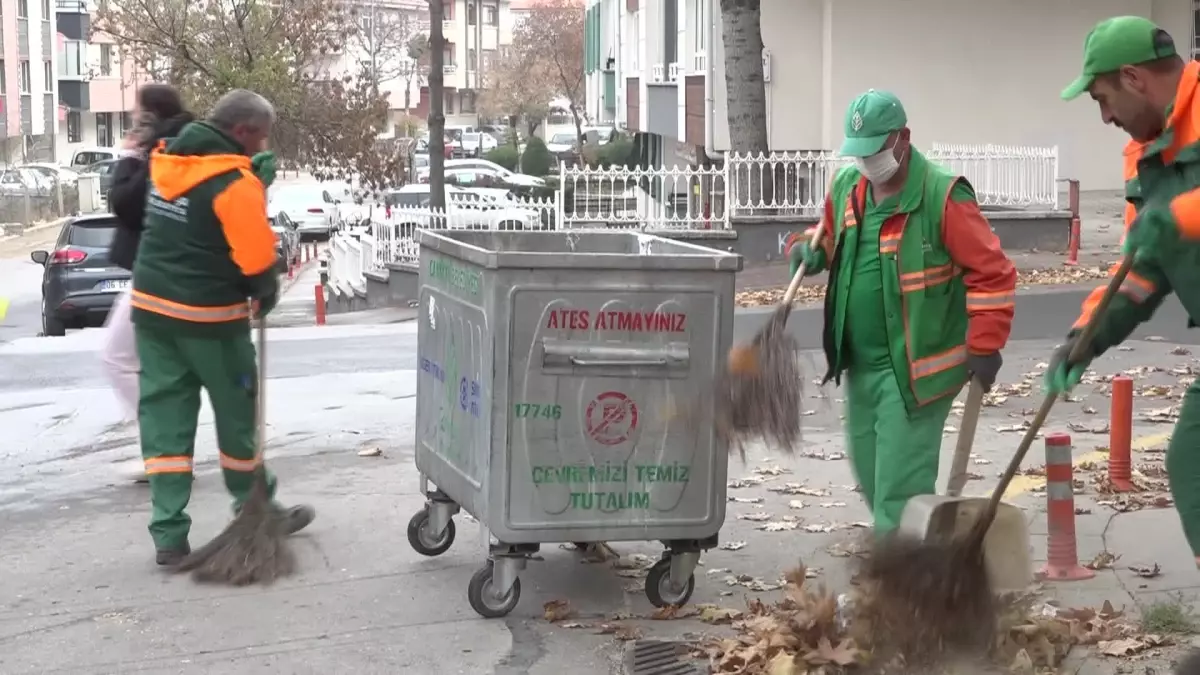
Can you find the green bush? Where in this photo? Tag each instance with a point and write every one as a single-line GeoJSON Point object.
{"type": "Point", "coordinates": [536, 161]}
{"type": "Point", "coordinates": [619, 152]}
{"type": "Point", "coordinates": [505, 155]}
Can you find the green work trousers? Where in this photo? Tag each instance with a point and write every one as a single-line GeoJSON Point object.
{"type": "Point", "coordinates": [174, 368]}
{"type": "Point", "coordinates": [1183, 466]}
{"type": "Point", "coordinates": [894, 453]}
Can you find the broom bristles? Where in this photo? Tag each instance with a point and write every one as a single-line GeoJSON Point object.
{"type": "Point", "coordinates": [760, 397]}
{"type": "Point", "coordinates": [253, 548]}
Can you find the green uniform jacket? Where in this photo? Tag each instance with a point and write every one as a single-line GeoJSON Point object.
{"type": "Point", "coordinates": [207, 246]}
{"type": "Point", "coordinates": [948, 288]}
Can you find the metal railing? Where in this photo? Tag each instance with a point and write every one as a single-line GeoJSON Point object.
{"type": "Point", "coordinates": [784, 184]}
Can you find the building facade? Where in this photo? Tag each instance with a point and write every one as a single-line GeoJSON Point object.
{"type": "Point", "coordinates": [475, 31]}
{"type": "Point", "coordinates": [28, 107]}
{"type": "Point", "coordinates": [991, 73]}
{"type": "Point", "coordinates": [97, 86]}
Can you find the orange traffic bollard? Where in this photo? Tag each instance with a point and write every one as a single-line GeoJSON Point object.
{"type": "Point", "coordinates": [1120, 435]}
{"type": "Point", "coordinates": [1062, 552]}
{"type": "Point", "coordinates": [1073, 243]}
{"type": "Point", "coordinates": [319, 291]}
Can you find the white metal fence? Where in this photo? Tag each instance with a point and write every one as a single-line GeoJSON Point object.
{"type": "Point", "coordinates": [782, 184]}
{"type": "Point", "coordinates": [778, 185]}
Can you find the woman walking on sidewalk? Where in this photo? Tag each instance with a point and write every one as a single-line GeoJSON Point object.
{"type": "Point", "coordinates": [160, 114]}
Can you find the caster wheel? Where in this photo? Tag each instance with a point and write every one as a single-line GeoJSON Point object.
{"type": "Point", "coordinates": [425, 543]}
{"type": "Point", "coordinates": [484, 601]}
{"type": "Point", "coordinates": [658, 586]}
{"type": "Point", "coordinates": [582, 546]}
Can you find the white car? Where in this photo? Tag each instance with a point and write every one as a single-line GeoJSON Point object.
{"type": "Point", "coordinates": [309, 205]}
{"type": "Point", "coordinates": [464, 210]}
{"type": "Point", "coordinates": [486, 167]}
{"type": "Point", "coordinates": [474, 142]}
{"type": "Point", "coordinates": [562, 143]}
{"type": "Point", "coordinates": [54, 172]}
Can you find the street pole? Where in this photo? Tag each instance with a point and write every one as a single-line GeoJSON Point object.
{"type": "Point", "coordinates": [437, 109]}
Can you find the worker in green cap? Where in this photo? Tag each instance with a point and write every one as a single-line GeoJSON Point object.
{"type": "Point", "coordinates": [920, 296]}
{"type": "Point", "coordinates": [1134, 73]}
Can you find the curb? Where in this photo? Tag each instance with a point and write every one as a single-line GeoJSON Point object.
{"type": "Point", "coordinates": [44, 225]}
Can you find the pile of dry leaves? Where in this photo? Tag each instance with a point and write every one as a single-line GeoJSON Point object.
{"type": "Point", "coordinates": [812, 632]}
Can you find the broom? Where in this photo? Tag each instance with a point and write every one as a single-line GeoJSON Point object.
{"type": "Point", "coordinates": [931, 595]}
{"type": "Point", "coordinates": [253, 548]}
{"type": "Point", "coordinates": [759, 394]}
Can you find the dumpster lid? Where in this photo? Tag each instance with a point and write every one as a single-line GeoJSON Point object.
{"type": "Point", "coordinates": [594, 249]}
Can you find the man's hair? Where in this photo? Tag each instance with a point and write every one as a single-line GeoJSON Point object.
{"type": "Point", "coordinates": [1167, 65]}
{"type": "Point", "coordinates": [242, 107]}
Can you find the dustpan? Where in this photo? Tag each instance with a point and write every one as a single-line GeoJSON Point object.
{"type": "Point", "coordinates": [932, 518]}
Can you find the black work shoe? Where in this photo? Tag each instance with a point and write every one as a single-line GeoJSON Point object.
{"type": "Point", "coordinates": [297, 518]}
{"type": "Point", "coordinates": [170, 557]}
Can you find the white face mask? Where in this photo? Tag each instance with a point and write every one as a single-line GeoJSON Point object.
{"type": "Point", "coordinates": [880, 167]}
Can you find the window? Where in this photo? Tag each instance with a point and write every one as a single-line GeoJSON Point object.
{"type": "Point", "coordinates": [449, 103]}
{"type": "Point", "coordinates": [670, 32]}
{"type": "Point", "coordinates": [106, 60]}
{"type": "Point", "coordinates": [490, 16]}
{"type": "Point", "coordinates": [448, 10]}
{"type": "Point", "coordinates": [74, 126]}
{"type": "Point", "coordinates": [364, 23]}
{"type": "Point", "coordinates": [48, 74]}
{"type": "Point", "coordinates": [104, 130]}
{"type": "Point", "coordinates": [489, 59]}
{"type": "Point", "coordinates": [26, 77]}
{"type": "Point", "coordinates": [3, 78]}
{"type": "Point", "coordinates": [72, 59]}
{"type": "Point", "coordinates": [699, 29]}
{"type": "Point", "coordinates": [126, 122]}
{"type": "Point", "coordinates": [448, 55]}
{"type": "Point", "coordinates": [471, 14]}
{"type": "Point", "coordinates": [470, 59]}
{"type": "Point", "coordinates": [466, 104]}
{"type": "Point", "coordinates": [23, 9]}
{"type": "Point", "coordinates": [47, 13]}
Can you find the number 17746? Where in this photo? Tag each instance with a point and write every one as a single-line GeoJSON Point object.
{"type": "Point", "coordinates": [543, 410]}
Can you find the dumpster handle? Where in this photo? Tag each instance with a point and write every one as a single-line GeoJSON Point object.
{"type": "Point", "coordinates": [583, 363]}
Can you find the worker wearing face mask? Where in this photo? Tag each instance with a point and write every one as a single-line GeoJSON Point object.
{"type": "Point", "coordinates": [920, 297]}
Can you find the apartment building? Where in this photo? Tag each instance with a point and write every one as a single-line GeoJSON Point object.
{"type": "Point", "coordinates": [475, 31]}
{"type": "Point", "coordinates": [28, 112]}
{"type": "Point", "coordinates": [97, 87]}
{"type": "Point", "coordinates": [991, 73]}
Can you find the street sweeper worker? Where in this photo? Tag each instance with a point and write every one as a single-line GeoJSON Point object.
{"type": "Point", "coordinates": [1131, 68]}
{"type": "Point", "coordinates": [920, 295]}
{"type": "Point", "coordinates": [207, 250]}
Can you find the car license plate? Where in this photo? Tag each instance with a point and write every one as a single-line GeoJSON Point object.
{"type": "Point", "coordinates": [113, 285]}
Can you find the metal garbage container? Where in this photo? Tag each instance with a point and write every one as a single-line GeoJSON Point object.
{"type": "Point", "coordinates": [550, 364]}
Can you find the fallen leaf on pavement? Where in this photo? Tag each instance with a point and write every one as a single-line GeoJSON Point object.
{"type": "Point", "coordinates": [732, 545]}
{"type": "Point", "coordinates": [1102, 561]}
{"type": "Point", "coordinates": [746, 500]}
{"type": "Point", "coordinates": [556, 610]}
{"type": "Point", "coordinates": [748, 481]}
{"type": "Point", "coordinates": [620, 631]}
{"type": "Point", "coordinates": [798, 489]}
{"type": "Point", "coordinates": [1146, 571]}
{"type": "Point", "coordinates": [796, 504]}
{"type": "Point", "coordinates": [1126, 647]}
{"type": "Point", "coordinates": [756, 517]}
{"type": "Point", "coordinates": [779, 526]}
{"type": "Point", "coordinates": [717, 615]}
{"type": "Point", "coordinates": [672, 612]}
{"type": "Point", "coordinates": [1081, 428]}
{"type": "Point", "coordinates": [370, 452]}
{"type": "Point", "coordinates": [822, 528]}
{"type": "Point", "coordinates": [1181, 351]}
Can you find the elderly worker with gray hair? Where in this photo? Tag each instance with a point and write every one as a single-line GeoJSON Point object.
{"type": "Point", "coordinates": [207, 250]}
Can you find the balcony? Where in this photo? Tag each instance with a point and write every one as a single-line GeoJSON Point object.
{"type": "Point", "coordinates": [75, 94]}
{"type": "Point", "coordinates": [73, 25]}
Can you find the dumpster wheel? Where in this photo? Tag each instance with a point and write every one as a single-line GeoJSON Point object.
{"type": "Point", "coordinates": [484, 601]}
{"type": "Point", "coordinates": [422, 541]}
{"type": "Point", "coordinates": [658, 586]}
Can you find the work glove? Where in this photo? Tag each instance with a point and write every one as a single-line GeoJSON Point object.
{"type": "Point", "coordinates": [804, 253]}
{"type": "Point", "coordinates": [264, 305]}
{"type": "Point", "coordinates": [263, 165]}
{"type": "Point", "coordinates": [985, 367]}
{"type": "Point", "coordinates": [1061, 377]}
{"type": "Point", "coordinates": [1152, 230]}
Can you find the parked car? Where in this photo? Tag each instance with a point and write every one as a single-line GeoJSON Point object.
{"type": "Point", "coordinates": [490, 168]}
{"type": "Point", "coordinates": [54, 172]}
{"type": "Point", "coordinates": [16, 182]}
{"type": "Point", "coordinates": [562, 144]}
{"type": "Point", "coordinates": [476, 144]}
{"type": "Point", "coordinates": [464, 210]}
{"type": "Point", "coordinates": [104, 169]}
{"type": "Point", "coordinates": [309, 205]}
{"type": "Point", "coordinates": [287, 241]}
{"type": "Point", "coordinates": [83, 157]}
{"type": "Point", "coordinates": [79, 282]}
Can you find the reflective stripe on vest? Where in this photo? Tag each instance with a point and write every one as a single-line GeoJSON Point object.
{"type": "Point", "coordinates": [175, 310]}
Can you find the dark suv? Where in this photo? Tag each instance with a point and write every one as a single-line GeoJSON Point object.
{"type": "Point", "coordinates": [80, 283]}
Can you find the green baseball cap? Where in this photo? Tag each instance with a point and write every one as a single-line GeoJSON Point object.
{"type": "Point", "coordinates": [1117, 42]}
{"type": "Point", "coordinates": [870, 119]}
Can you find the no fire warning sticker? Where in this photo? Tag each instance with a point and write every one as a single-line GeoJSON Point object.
{"type": "Point", "coordinates": [611, 418]}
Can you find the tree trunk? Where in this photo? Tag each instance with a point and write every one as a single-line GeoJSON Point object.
{"type": "Point", "coordinates": [437, 111]}
{"type": "Point", "coordinates": [746, 94]}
